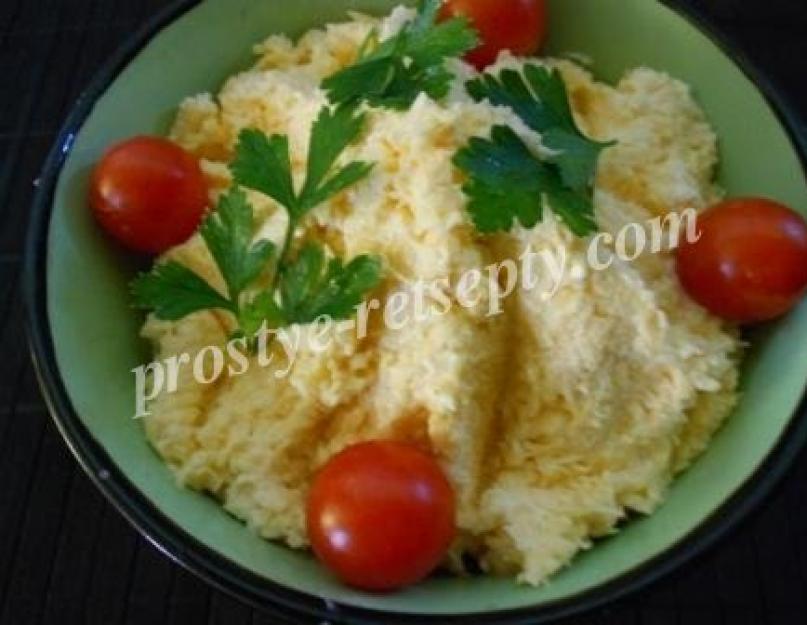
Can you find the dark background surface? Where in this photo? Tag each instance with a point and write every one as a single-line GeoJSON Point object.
{"type": "Point", "coordinates": [66, 556]}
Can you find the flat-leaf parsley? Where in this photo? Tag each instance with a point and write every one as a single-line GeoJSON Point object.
{"type": "Point", "coordinates": [506, 181]}
{"type": "Point", "coordinates": [541, 100]}
{"type": "Point", "coordinates": [302, 286]}
{"type": "Point", "coordinates": [391, 74]}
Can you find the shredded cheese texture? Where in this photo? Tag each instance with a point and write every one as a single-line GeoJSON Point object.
{"type": "Point", "coordinates": [554, 420]}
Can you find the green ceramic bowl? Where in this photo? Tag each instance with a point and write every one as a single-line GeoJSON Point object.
{"type": "Point", "coordinates": [84, 333]}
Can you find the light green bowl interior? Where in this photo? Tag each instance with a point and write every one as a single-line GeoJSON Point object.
{"type": "Point", "coordinates": [96, 331]}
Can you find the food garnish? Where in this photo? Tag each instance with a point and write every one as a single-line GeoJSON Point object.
{"type": "Point", "coordinates": [302, 286]}
{"type": "Point", "coordinates": [749, 263]}
{"type": "Point", "coordinates": [381, 515]}
{"type": "Point", "coordinates": [392, 73]}
{"type": "Point", "coordinates": [148, 194]}
{"type": "Point", "coordinates": [520, 26]}
{"type": "Point", "coordinates": [507, 182]}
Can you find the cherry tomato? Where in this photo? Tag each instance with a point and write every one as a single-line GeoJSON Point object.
{"type": "Point", "coordinates": [517, 25]}
{"type": "Point", "coordinates": [149, 194]}
{"type": "Point", "coordinates": [750, 263]}
{"type": "Point", "coordinates": [381, 515]}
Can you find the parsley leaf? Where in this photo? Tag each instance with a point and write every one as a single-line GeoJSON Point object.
{"type": "Point", "coordinates": [173, 292]}
{"type": "Point", "coordinates": [307, 288]}
{"type": "Point", "coordinates": [504, 181]}
{"type": "Point", "coordinates": [333, 131]}
{"type": "Point", "coordinates": [428, 10]}
{"type": "Point", "coordinates": [262, 309]}
{"type": "Point", "coordinates": [508, 183]}
{"type": "Point", "coordinates": [407, 64]}
{"type": "Point", "coordinates": [541, 100]}
{"type": "Point", "coordinates": [430, 44]}
{"type": "Point", "coordinates": [312, 289]}
{"type": "Point", "coordinates": [575, 208]}
{"type": "Point", "coordinates": [368, 79]}
{"type": "Point", "coordinates": [228, 234]}
{"type": "Point", "coordinates": [263, 163]}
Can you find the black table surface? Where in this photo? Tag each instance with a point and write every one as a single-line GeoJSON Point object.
{"type": "Point", "coordinates": [66, 556]}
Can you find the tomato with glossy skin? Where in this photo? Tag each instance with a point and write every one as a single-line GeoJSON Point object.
{"type": "Point", "coordinates": [381, 515]}
{"type": "Point", "coordinates": [149, 194]}
{"type": "Point", "coordinates": [520, 26]}
{"type": "Point", "coordinates": [750, 263]}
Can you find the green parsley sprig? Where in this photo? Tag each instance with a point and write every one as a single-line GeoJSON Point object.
{"type": "Point", "coordinates": [391, 74]}
{"type": "Point", "coordinates": [302, 286]}
{"type": "Point", "coordinates": [507, 182]}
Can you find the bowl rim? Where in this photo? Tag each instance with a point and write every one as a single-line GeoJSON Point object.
{"type": "Point", "coordinates": [270, 596]}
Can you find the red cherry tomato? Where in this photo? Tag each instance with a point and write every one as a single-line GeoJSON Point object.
{"type": "Point", "coordinates": [149, 194]}
{"type": "Point", "coordinates": [750, 264]}
{"type": "Point", "coordinates": [381, 515]}
{"type": "Point", "coordinates": [517, 25]}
